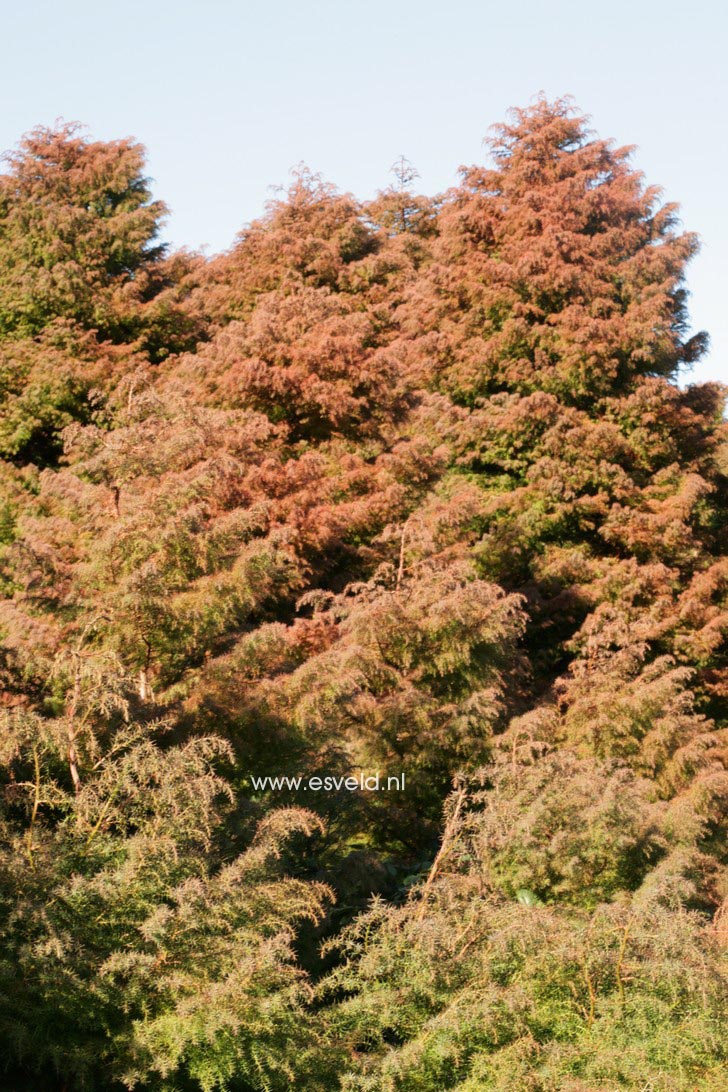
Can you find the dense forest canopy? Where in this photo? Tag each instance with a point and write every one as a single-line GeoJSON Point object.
{"type": "Point", "coordinates": [404, 486]}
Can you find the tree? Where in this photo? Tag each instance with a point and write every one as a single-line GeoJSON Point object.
{"type": "Point", "coordinates": [134, 954]}
{"type": "Point", "coordinates": [403, 487]}
{"type": "Point", "coordinates": [475, 984]}
{"type": "Point", "coordinates": [558, 270]}
{"type": "Point", "coordinates": [78, 242]}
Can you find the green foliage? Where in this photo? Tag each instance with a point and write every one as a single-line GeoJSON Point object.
{"type": "Point", "coordinates": [134, 954]}
{"type": "Point", "coordinates": [76, 223]}
{"type": "Point", "coordinates": [461, 988]}
{"type": "Point", "coordinates": [530, 998]}
{"type": "Point", "coordinates": [564, 830]}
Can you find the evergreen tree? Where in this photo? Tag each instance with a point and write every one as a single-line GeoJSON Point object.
{"type": "Point", "coordinates": [404, 487]}
{"type": "Point", "coordinates": [77, 228]}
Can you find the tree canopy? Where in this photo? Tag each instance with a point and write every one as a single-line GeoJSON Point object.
{"type": "Point", "coordinates": [412, 487]}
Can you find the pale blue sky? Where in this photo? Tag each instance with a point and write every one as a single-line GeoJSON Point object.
{"type": "Point", "coordinates": [229, 95]}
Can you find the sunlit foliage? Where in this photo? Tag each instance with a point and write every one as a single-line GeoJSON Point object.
{"type": "Point", "coordinates": [414, 486]}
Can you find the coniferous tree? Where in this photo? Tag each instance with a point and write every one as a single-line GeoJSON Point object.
{"type": "Point", "coordinates": [407, 486]}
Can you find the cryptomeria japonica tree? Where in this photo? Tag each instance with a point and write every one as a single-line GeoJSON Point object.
{"type": "Point", "coordinates": [404, 486]}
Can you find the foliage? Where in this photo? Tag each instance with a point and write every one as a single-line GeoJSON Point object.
{"type": "Point", "coordinates": [132, 951]}
{"type": "Point", "coordinates": [405, 487]}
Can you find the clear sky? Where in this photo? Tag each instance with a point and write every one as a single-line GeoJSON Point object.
{"type": "Point", "coordinates": [228, 95]}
